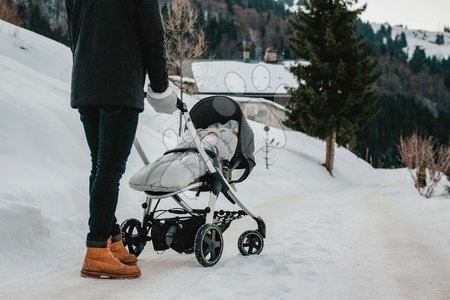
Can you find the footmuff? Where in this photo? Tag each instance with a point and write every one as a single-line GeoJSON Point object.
{"type": "Point", "coordinates": [177, 170]}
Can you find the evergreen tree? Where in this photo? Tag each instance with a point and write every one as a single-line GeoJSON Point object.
{"type": "Point", "coordinates": [335, 97]}
{"type": "Point", "coordinates": [434, 65]}
{"type": "Point", "coordinates": [418, 60]}
{"type": "Point", "coordinates": [401, 40]}
{"type": "Point", "coordinates": [440, 39]}
{"type": "Point", "coordinates": [229, 4]}
{"type": "Point", "coordinates": [447, 81]}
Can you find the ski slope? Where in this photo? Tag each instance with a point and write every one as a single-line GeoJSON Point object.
{"type": "Point", "coordinates": [363, 234]}
{"type": "Point", "coordinates": [425, 40]}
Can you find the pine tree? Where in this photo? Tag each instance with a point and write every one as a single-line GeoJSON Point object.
{"type": "Point", "coordinates": [418, 60]}
{"type": "Point", "coordinates": [401, 40]}
{"type": "Point", "coordinates": [229, 4]}
{"type": "Point", "coordinates": [335, 97]}
{"type": "Point", "coordinates": [447, 81]}
{"type": "Point", "coordinates": [440, 39]}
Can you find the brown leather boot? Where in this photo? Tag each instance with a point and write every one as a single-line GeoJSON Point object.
{"type": "Point", "coordinates": [118, 250]}
{"type": "Point", "coordinates": [100, 263]}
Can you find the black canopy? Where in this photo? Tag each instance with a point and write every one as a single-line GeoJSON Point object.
{"type": "Point", "coordinates": [220, 109]}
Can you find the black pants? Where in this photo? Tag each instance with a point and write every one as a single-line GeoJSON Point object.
{"type": "Point", "coordinates": [110, 131]}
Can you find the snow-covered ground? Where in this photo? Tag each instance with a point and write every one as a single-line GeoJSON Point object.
{"type": "Point", "coordinates": [363, 234]}
{"type": "Point", "coordinates": [423, 39]}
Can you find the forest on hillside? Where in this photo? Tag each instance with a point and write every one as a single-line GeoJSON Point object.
{"type": "Point", "coordinates": [414, 93]}
{"type": "Point", "coordinates": [414, 97]}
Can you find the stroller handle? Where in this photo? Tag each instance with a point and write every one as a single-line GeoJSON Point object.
{"type": "Point", "coordinates": [181, 105]}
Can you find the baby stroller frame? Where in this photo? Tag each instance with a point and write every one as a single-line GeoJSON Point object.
{"type": "Point", "coordinates": [196, 231]}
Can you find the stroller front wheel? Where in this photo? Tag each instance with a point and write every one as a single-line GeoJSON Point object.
{"type": "Point", "coordinates": [133, 236]}
{"type": "Point", "coordinates": [208, 245]}
{"type": "Point", "coordinates": [250, 242]}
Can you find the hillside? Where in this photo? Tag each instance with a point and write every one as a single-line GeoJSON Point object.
{"type": "Point", "coordinates": [259, 24]}
{"type": "Point", "coordinates": [423, 39]}
{"type": "Point", "coordinates": [414, 91]}
{"type": "Point", "coordinates": [363, 234]}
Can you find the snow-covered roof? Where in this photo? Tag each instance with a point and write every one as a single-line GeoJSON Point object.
{"type": "Point", "coordinates": [239, 77]}
{"type": "Point", "coordinates": [185, 79]}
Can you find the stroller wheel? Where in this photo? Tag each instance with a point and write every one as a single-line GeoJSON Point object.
{"type": "Point", "coordinates": [208, 245]}
{"type": "Point", "coordinates": [133, 236]}
{"type": "Point", "coordinates": [251, 242]}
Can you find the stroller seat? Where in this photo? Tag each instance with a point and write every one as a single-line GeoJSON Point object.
{"type": "Point", "coordinates": [180, 168]}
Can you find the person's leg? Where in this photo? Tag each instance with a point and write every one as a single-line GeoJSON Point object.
{"type": "Point", "coordinates": [110, 134]}
{"type": "Point", "coordinates": [117, 129]}
{"type": "Point", "coordinates": [89, 116]}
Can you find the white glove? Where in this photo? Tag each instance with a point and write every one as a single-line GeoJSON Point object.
{"type": "Point", "coordinates": [163, 103]}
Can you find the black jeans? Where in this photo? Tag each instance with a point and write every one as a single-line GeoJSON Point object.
{"type": "Point", "coordinates": [110, 131]}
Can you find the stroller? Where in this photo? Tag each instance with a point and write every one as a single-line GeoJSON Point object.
{"type": "Point", "coordinates": [199, 231]}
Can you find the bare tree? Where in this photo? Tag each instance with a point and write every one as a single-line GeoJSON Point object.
{"type": "Point", "coordinates": [10, 13]}
{"type": "Point", "coordinates": [437, 167]}
{"type": "Point", "coordinates": [185, 40]}
{"type": "Point", "coordinates": [421, 154]}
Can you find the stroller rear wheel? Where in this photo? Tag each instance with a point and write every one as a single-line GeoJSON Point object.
{"type": "Point", "coordinates": [208, 245]}
{"type": "Point", "coordinates": [133, 236]}
{"type": "Point", "coordinates": [251, 242]}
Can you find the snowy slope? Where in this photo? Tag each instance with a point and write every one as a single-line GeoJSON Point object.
{"type": "Point", "coordinates": [426, 40]}
{"type": "Point", "coordinates": [364, 234]}
{"type": "Point", "coordinates": [37, 52]}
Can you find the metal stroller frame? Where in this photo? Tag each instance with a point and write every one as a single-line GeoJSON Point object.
{"type": "Point", "coordinates": [198, 230]}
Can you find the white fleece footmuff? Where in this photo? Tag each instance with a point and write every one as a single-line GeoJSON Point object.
{"type": "Point", "coordinates": [175, 171]}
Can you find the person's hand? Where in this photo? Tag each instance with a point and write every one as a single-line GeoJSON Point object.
{"type": "Point", "coordinates": [163, 103]}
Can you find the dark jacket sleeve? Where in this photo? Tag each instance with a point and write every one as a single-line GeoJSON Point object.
{"type": "Point", "coordinates": [151, 35]}
{"type": "Point", "coordinates": [69, 22]}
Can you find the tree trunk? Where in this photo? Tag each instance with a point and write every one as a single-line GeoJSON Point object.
{"type": "Point", "coordinates": [331, 145]}
{"type": "Point", "coordinates": [421, 177]}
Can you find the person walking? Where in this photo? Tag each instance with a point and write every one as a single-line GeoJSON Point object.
{"type": "Point", "coordinates": [115, 44]}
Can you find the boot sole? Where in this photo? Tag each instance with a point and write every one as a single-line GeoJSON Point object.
{"type": "Point", "coordinates": [100, 275]}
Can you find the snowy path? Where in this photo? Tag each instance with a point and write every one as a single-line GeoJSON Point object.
{"type": "Point", "coordinates": [350, 243]}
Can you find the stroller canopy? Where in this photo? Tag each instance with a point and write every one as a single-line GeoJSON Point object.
{"type": "Point", "coordinates": [220, 109]}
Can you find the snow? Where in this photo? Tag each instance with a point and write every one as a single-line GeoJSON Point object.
{"type": "Point", "coordinates": [423, 39]}
{"type": "Point", "coordinates": [42, 54]}
{"type": "Point", "coordinates": [185, 79]}
{"type": "Point", "coordinates": [362, 234]}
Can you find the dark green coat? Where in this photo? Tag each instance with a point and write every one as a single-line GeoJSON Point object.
{"type": "Point", "coordinates": [114, 44]}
